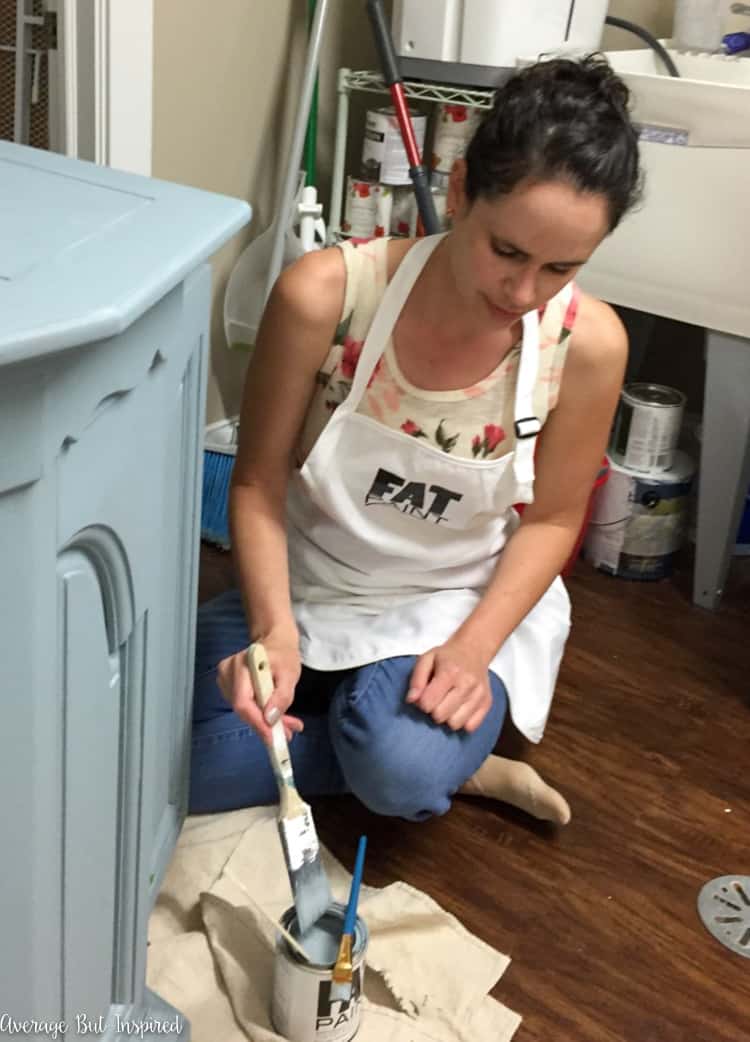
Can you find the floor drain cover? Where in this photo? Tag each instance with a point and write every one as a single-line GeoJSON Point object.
{"type": "Point", "coordinates": [724, 907]}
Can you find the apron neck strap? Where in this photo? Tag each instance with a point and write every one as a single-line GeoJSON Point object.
{"type": "Point", "coordinates": [386, 316]}
{"type": "Point", "coordinates": [527, 425]}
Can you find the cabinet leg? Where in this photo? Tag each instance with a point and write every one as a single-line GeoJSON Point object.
{"type": "Point", "coordinates": [724, 464]}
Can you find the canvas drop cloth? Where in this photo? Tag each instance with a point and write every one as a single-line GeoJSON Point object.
{"type": "Point", "coordinates": [212, 935]}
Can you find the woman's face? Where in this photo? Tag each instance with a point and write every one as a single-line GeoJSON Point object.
{"type": "Point", "coordinates": [511, 254]}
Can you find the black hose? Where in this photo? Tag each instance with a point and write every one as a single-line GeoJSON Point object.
{"type": "Point", "coordinates": [647, 37]}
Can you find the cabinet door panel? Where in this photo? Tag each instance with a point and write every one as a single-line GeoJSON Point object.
{"type": "Point", "coordinates": [91, 772]}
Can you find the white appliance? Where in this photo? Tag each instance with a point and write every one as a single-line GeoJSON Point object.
{"type": "Point", "coordinates": [479, 41]}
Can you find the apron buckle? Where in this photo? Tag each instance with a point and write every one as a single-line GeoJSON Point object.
{"type": "Point", "coordinates": [527, 427]}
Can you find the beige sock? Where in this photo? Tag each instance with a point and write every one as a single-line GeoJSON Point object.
{"type": "Point", "coordinates": [515, 782]}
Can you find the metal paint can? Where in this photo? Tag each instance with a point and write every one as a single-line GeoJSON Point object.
{"type": "Point", "coordinates": [454, 128]}
{"type": "Point", "coordinates": [368, 209]}
{"type": "Point", "coordinates": [647, 427]}
{"type": "Point", "coordinates": [404, 213]}
{"type": "Point", "coordinates": [639, 521]}
{"type": "Point", "coordinates": [383, 154]}
{"type": "Point", "coordinates": [383, 210]}
{"type": "Point", "coordinates": [440, 199]}
{"type": "Point", "coordinates": [301, 1008]}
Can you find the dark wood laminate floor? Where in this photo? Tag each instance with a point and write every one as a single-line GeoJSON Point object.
{"type": "Point", "coordinates": [650, 740]}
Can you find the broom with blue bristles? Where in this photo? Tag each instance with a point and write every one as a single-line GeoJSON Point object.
{"type": "Point", "coordinates": [220, 449]}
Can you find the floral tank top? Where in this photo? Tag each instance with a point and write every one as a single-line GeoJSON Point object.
{"type": "Point", "coordinates": [471, 422]}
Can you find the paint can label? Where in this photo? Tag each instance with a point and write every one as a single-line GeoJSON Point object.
{"type": "Point", "coordinates": [440, 199]}
{"type": "Point", "coordinates": [404, 212]}
{"type": "Point", "coordinates": [638, 521]}
{"type": "Point", "coordinates": [383, 154]}
{"type": "Point", "coordinates": [368, 210]}
{"type": "Point", "coordinates": [454, 128]}
{"type": "Point", "coordinates": [647, 427]}
{"type": "Point", "coordinates": [302, 1009]}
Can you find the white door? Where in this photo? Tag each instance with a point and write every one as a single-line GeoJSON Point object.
{"type": "Point", "coordinates": [76, 77]}
{"type": "Point", "coordinates": [29, 74]}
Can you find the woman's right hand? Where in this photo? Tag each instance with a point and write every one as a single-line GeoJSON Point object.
{"type": "Point", "coordinates": [236, 686]}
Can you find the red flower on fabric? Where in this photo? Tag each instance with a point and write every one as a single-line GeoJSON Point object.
{"type": "Point", "coordinates": [350, 357]}
{"type": "Point", "coordinates": [493, 435]}
{"type": "Point", "coordinates": [410, 427]}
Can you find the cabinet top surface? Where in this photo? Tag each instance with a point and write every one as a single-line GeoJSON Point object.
{"type": "Point", "coordinates": [85, 250]}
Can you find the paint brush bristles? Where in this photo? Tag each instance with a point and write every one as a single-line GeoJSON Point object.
{"type": "Point", "coordinates": [343, 971]}
{"type": "Point", "coordinates": [310, 886]}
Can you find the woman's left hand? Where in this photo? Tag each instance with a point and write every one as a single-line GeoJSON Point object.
{"type": "Point", "coordinates": [450, 684]}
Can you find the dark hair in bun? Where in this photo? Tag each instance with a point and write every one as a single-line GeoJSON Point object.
{"type": "Point", "coordinates": [559, 120]}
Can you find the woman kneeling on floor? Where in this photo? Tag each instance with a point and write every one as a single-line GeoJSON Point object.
{"type": "Point", "coordinates": [403, 397]}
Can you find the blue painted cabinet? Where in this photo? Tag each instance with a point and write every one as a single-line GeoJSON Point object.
{"type": "Point", "coordinates": [104, 317]}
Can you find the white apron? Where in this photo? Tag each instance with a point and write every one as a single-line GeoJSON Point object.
{"type": "Point", "coordinates": [392, 541]}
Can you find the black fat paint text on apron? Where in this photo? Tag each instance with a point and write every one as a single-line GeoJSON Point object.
{"type": "Point", "coordinates": [416, 498]}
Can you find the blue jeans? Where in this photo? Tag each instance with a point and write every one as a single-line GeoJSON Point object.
{"type": "Point", "coordinates": [360, 735]}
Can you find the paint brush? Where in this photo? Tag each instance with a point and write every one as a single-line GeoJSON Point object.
{"type": "Point", "coordinates": [341, 982]}
{"type": "Point", "coordinates": [310, 886]}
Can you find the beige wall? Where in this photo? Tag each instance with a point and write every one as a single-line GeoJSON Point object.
{"type": "Point", "coordinates": [654, 15]}
{"type": "Point", "coordinates": [227, 76]}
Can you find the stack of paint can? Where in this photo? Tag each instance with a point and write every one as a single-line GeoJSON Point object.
{"type": "Point", "coordinates": [640, 515]}
{"type": "Point", "coordinates": [380, 200]}
{"type": "Point", "coordinates": [454, 128]}
{"type": "Point", "coordinates": [377, 199]}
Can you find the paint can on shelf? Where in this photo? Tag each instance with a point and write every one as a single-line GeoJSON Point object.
{"type": "Point", "coordinates": [647, 427]}
{"type": "Point", "coordinates": [440, 199]}
{"type": "Point", "coordinates": [454, 129]}
{"type": "Point", "coordinates": [404, 213]}
{"type": "Point", "coordinates": [368, 208]}
{"type": "Point", "coordinates": [639, 521]}
{"type": "Point", "coordinates": [384, 157]}
{"type": "Point", "coordinates": [301, 1007]}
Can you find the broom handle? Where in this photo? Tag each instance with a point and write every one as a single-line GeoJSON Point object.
{"type": "Point", "coordinates": [295, 152]}
{"type": "Point", "coordinates": [392, 77]}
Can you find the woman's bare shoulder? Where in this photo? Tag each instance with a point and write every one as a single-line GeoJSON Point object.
{"type": "Point", "coordinates": [313, 287]}
{"type": "Point", "coordinates": [397, 250]}
{"type": "Point", "coordinates": [599, 340]}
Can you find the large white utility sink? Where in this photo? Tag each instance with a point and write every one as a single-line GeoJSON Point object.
{"type": "Point", "coordinates": [685, 254]}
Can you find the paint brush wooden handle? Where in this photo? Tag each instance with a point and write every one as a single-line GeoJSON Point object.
{"type": "Point", "coordinates": [262, 678]}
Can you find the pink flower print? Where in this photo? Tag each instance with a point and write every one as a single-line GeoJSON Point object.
{"type": "Point", "coordinates": [493, 435]}
{"type": "Point", "coordinates": [350, 357]}
{"type": "Point", "coordinates": [491, 438]}
{"type": "Point", "coordinates": [410, 427]}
